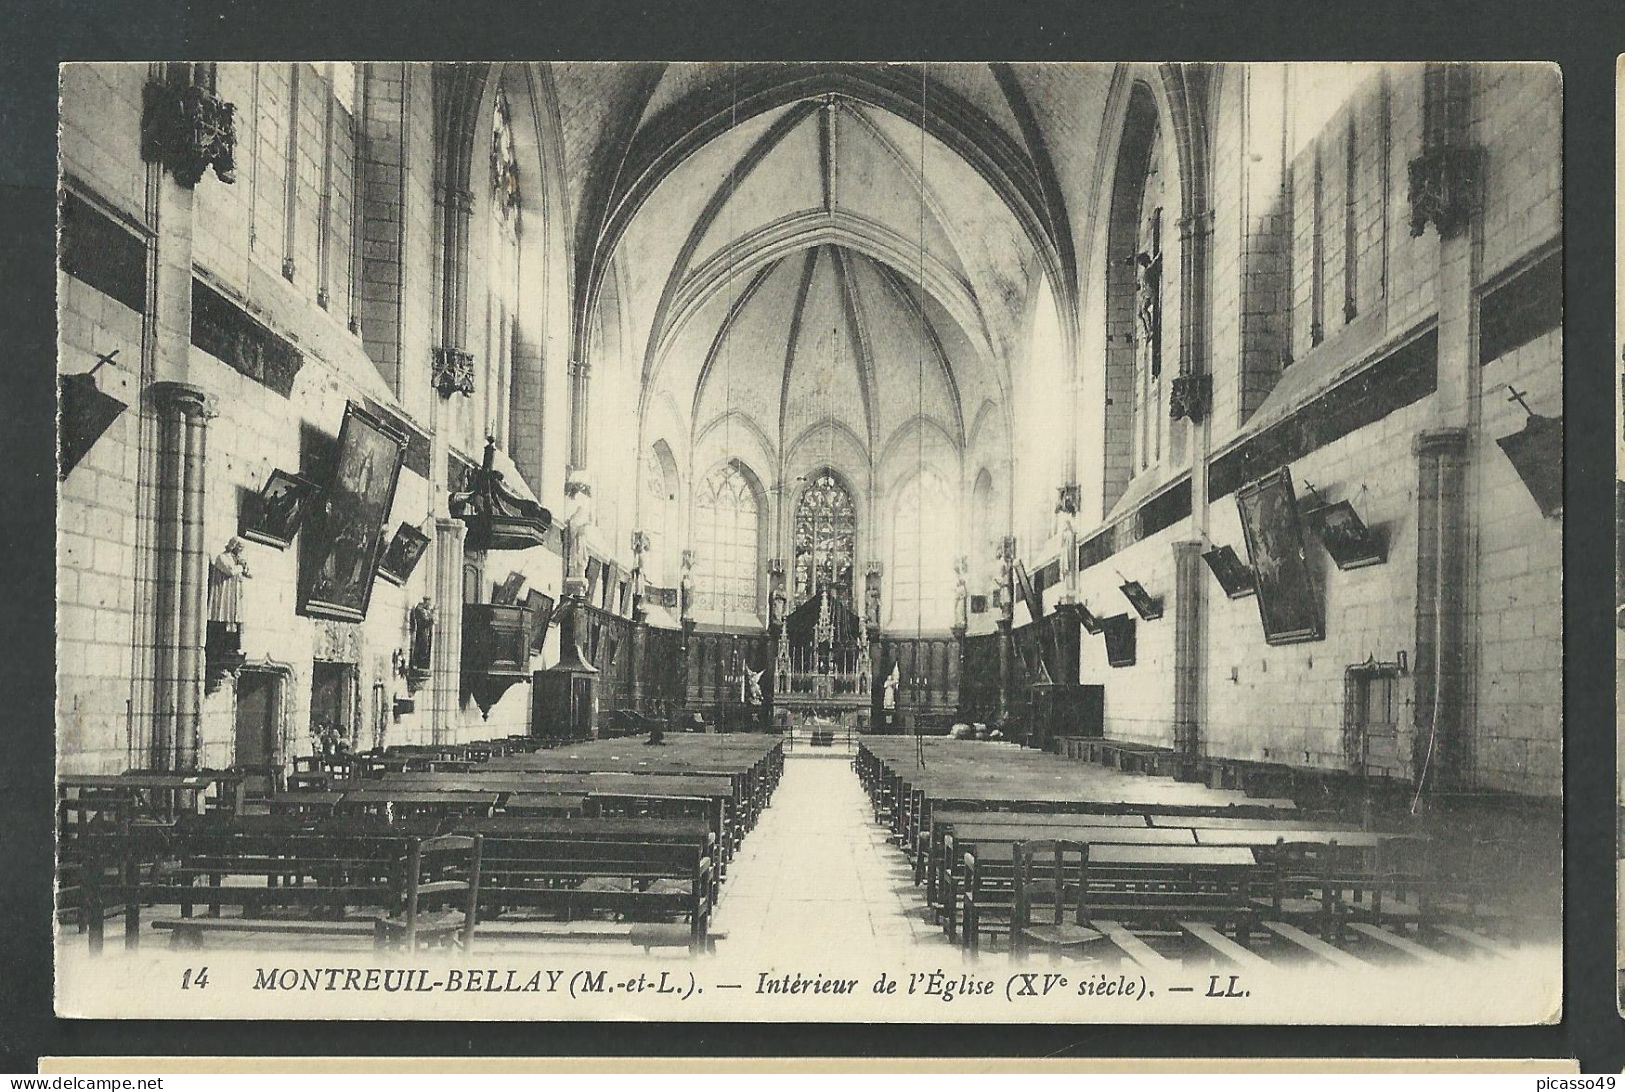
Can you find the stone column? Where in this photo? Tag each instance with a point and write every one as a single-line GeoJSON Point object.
{"type": "Point", "coordinates": [182, 581]}
{"type": "Point", "coordinates": [1442, 755]}
{"type": "Point", "coordinates": [445, 684]}
{"type": "Point", "coordinates": [1004, 667]}
{"type": "Point", "coordinates": [1188, 667]}
{"type": "Point", "coordinates": [580, 380]}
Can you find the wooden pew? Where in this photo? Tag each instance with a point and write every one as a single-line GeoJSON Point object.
{"type": "Point", "coordinates": [294, 862]}
{"type": "Point", "coordinates": [1137, 886]}
{"type": "Point", "coordinates": [570, 870]}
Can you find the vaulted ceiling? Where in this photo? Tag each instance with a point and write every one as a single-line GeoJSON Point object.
{"type": "Point", "coordinates": [787, 245]}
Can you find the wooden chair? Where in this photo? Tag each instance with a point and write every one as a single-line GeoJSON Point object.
{"type": "Point", "coordinates": [1398, 891]}
{"type": "Point", "coordinates": [1301, 887]}
{"type": "Point", "coordinates": [440, 872]}
{"type": "Point", "coordinates": [1051, 896]}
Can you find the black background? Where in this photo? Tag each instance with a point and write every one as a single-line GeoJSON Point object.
{"type": "Point", "coordinates": [1583, 38]}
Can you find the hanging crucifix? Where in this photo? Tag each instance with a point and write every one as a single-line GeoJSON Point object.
{"type": "Point", "coordinates": [1148, 302]}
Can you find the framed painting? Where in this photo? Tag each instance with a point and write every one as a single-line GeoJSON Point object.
{"type": "Point", "coordinates": [346, 536]}
{"type": "Point", "coordinates": [273, 515]}
{"type": "Point", "coordinates": [1288, 597]}
{"type": "Point", "coordinates": [1091, 624]}
{"type": "Point", "coordinates": [1121, 642]}
{"type": "Point", "coordinates": [1230, 571]}
{"type": "Point", "coordinates": [507, 592]}
{"type": "Point", "coordinates": [1145, 604]}
{"type": "Point", "coordinates": [402, 554]}
{"type": "Point", "coordinates": [540, 605]}
{"type": "Point", "coordinates": [1351, 543]}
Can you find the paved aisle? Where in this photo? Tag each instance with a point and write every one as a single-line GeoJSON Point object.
{"type": "Point", "coordinates": [818, 872]}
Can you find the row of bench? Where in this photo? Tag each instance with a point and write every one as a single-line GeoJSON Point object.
{"type": "Point", "coordinates": [1132, 856]}
{"type": "Point", "coordinates": [647, 842]}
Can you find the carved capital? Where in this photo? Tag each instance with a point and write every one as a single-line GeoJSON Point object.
{"type": "Point", "coordinates": [453, 371]}
{"type": "Point", "coordinates": [189, 129]}
{"type": "Point", "coordinates": [1191, 396]}
{"type": "Point", "coordinates": [1444, 188]}
{"type": "Point", "coordinates": [189, 400]}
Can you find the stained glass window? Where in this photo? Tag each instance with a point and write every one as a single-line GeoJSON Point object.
{"type": "Point", "coordinates": [727, 531]}
{"type": "Point", "coordinates": [825, 537]}
{"type": "Point", "coordinates": [504, 161]}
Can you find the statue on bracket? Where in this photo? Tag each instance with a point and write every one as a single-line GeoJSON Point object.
{"type": "Point", "coordinates": [871, 597]}
{"type": "Point", "coordinates": [223, 649]}
{"type": "Point", "coordinates": [578, 523]}
{"type": "Point", "coordinates": [1004, 590]}
{"type": "Point", "coordinates": [685, 588]}
{"type": "Point", "coordinates": [961, 593]}
{"type": "Point", "coordinates": [420, 644]}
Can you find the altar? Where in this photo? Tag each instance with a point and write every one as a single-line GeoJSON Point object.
{"type": "Point", "coordinates": [823, 664]}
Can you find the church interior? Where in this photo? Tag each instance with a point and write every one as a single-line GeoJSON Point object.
{"type": "Point", "coordinates": [1104, 508]}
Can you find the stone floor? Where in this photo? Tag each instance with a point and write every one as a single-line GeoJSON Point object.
{"type": "Point", "coordinates": [817, 871]}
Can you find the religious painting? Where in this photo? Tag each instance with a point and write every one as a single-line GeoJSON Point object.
{"type": "Point", "coordinates": [507, 592]}
{"type": "Point", "coordinates": [273, 515]}
{"type": "Point", "coordinates": [346, 536]}
{"type": "Point", "coordinates": [1288, 597]}
{"type": "Point", "coordinates": [1145, 604]}
{"type": "Point", "coordinates": [1090, 622]}
{"type": "Point", "coordinates": [540, 605]}
{"type": "Point", "coordinates": [1536, 453]}
{"type": "Point", "coordinates": [1121, 643]}
{"type": "Point", "coordinates": [1230, 571]}
{"type": "Point", "coordinates": [402, 555]}
{"type": "Point", "coordinates": [1351, 543]}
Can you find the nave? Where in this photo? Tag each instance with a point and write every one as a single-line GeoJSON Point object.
{"type": "Point", "coordinates": [916, 846]}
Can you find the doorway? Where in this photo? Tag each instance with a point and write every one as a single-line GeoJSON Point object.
{"type": "Point", "coordinates": [257, 739]}
{"type": "Point", "coordinates": [333, 702]}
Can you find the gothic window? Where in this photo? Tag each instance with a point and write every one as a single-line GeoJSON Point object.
{"type": "Point", "coordinates": [984, 532]}
{"type": "Point", "coordinates": [502, 273]}
{"type": "Point", "coordinates": [922, 572]}
{"type": "Point", "coordinates": [1151, 277]}
{"type": "Point", "coordinates": [660, 513]}
{"type": "Point", "coordinates": [825, 538]}
{"type": "Point", "coordinates": [727, 536]}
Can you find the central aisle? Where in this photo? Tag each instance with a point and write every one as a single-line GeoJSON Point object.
{"type": "Point", "coordinates": [818, 872]}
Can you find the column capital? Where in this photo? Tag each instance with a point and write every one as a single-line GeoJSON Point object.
{"type": "Point", "coordinates": [1440, 441]}
{"type": "Point", "coordinates": [190, 400]}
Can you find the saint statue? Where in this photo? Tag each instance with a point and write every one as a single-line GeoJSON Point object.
{"type": "Point", "coordinates": [871, 609]}
{"type": "Point", "coordinates": [889, 689]}
{"type": "Point", "coordinates": [776, 603]}
{"type": "Point", "coordinates": [226, 575]}
{"type": "Point", "coordinates": [685, 587]}
{"type": "Point", "coordinates": [578, 521]}
{"type": "Point", "coordinates": [421, 624]}
{"type": "Point", "coordinates": [961, 593]}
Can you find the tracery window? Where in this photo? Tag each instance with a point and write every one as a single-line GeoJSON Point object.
{"type": "Point", "coordinates": [727, 536]}
{"type": "Point", "coordinates": [826, 527]}
{"type": "Point", "coordinates": [922, 572]}
{"type": "Point", "coordinates": [502, 281]}
{"type": "Point", "coordinates": [660, 516]}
